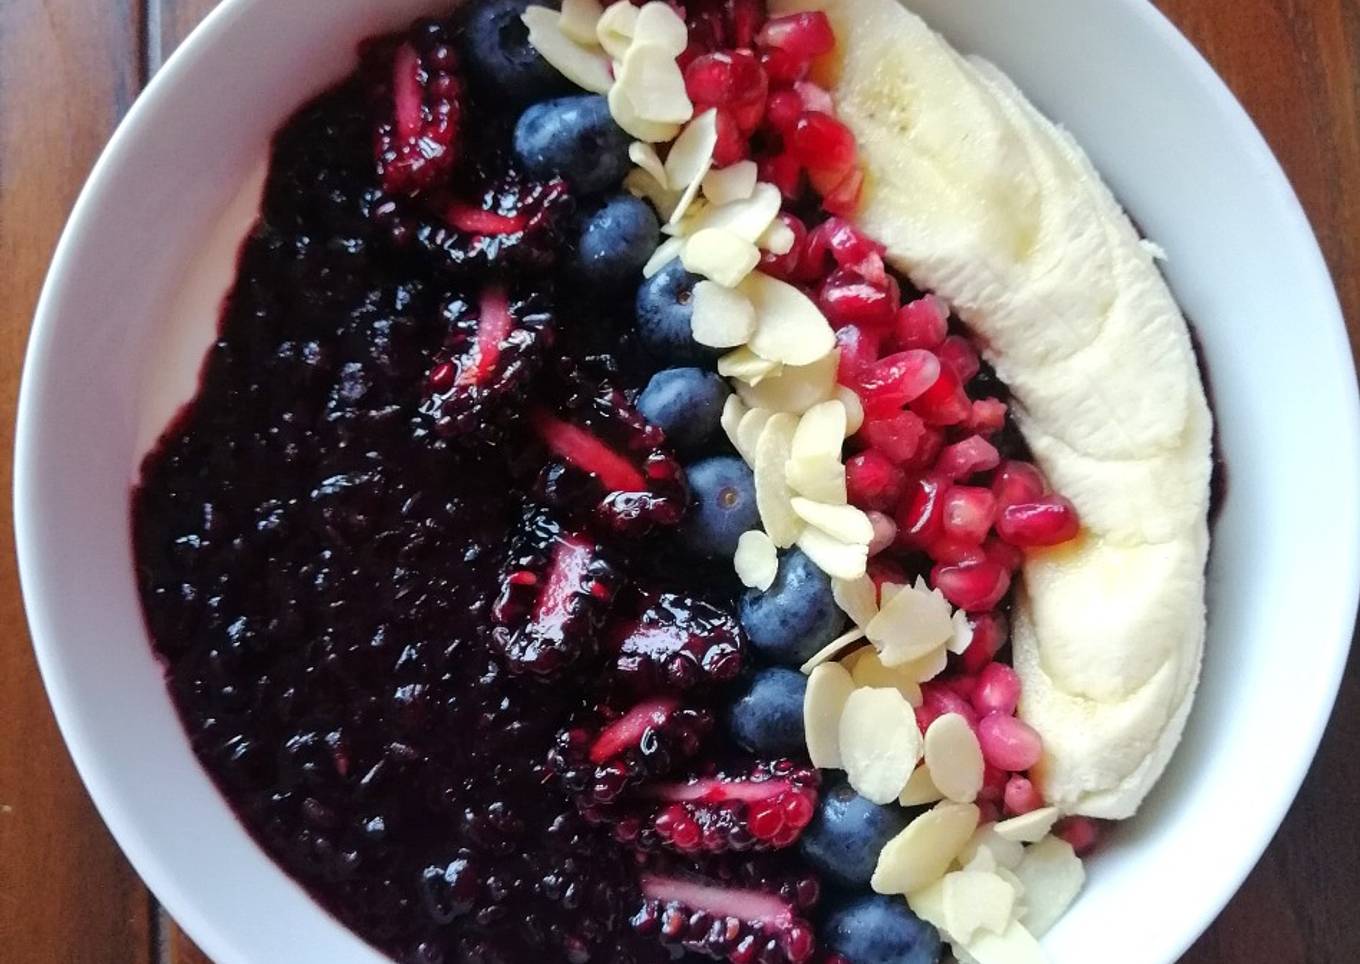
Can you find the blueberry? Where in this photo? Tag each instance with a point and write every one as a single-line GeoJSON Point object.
{"type": "Point", "coordinates": [881, 930]}
{"type": "Point", "coordinates": [496, 45]}
{"type": "Point", "coordinates": [616, 241]}
{"type": "Point", "coordinates": [574, 137]}
{"type": "Point", "coordinates": [724, 506]}
{"type": "Point", "coordinates": [663, 316]}
{"type": "Point", "coordinates": [686, 404]}
{"type": "Point", "coordinates": [848, 833]}
{"type": "Point", "coordinates": [768, 717]}
{"type": "Point", "coordinates": [796, 616]}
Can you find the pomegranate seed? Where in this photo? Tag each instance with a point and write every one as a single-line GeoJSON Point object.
{"type": "Point", "coordinates": [1009, 743]}
{"type": "Point", "coordinates": [968, 513]}
{"type": "Point", "coordinates": [855, 252]}
{"type": "Point", "coordinates": [937, 699]}
{"type": "Point", "coordinates": [896, 436]}
{"type": "Point", "coordinates": [873, 482]}
{"type": "Point", "coordinates": [944, 402]}
{"type": "Point", "coordinates": [1082, 833]}
{"type": "Point", "coordinates": [784, 172]}
{"type": "Point", "coordinates": [989, 635]}
{"type": "Point", "coordinates": [845, 196]}
{"type": "Point", "coordinates": [988, 811]}
{"type": "Point", "coordinates": [988, 417]}
{"type": "Point", "coordinates": [805, 35]}
{"type": "Point", "coordinates": [815, 97]}
{"type": "Point", "coordinates": [783, 67]}
{"type": "Point", "coordinates": [894, 381]}
{"type": "Point", "coordinates": [847, 299]}
{"type": "Point", "coordinates": [1017, 482]}
{"type": "Point", "coordinates": [747, 18]}
{"type": "Point", "coordinates": [967, 458]}
{"type": "Point", "coordinates": [859, 350]}
{"type": "Point", "coordinates": [820, 141]}
{"type": "Point", "coordinates": [1021, 796]}
{"type": "Point", "coordinates": [1003, 554]}
{"type": "Point", "coordinates": [1047, 521]}
{"type": "Point", "coordinates": [732, 144]}
{"type": "Point", "coordinates": [783, 266]}
{"type": "Point", "coordinates": [998, 690]}
{"type": "Point", "coordinates": [783, 110]}
{"type": "Point", "coordinates": [919, 517]}
{"type": "Point", "coordinates": [928, 451]}
{"type": "Point", "coordinates": [884, 570]}
{"type": "Point", "coordinates": [964, 686]}
{"type": "Point", "coordinates": [972, 586]}
{"type": "Point", "coordinates": [885, 531]}
{"type": "Point", "coordinates": [923, 323]}
{"type": "Point", "coordinates": [730, 79]}
{"type": "Point", "coordinates": [962, 356]}
{"type": "Point", "coordinates": [951, 551]}
{"type": "Point", "coordinates": [993, 783]}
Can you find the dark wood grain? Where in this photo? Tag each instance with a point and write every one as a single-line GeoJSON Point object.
{"type": "Point", "coordinates": [68, 70]}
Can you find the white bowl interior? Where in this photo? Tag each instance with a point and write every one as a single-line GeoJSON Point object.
{"type": "Point", "coordinates": [131, 305]}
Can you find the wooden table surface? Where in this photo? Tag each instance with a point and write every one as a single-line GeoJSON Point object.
{"type": "Point", "coordinates": [69, 69]}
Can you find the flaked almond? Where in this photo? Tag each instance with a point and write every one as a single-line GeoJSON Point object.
{"type": "Point", "coordinates": [790, 328]}
{"type": "Point", "coordinates": [579, 20]}
{"type": "Point", "coordinates": [756, 560]}
{"type": "Point", "coordinates": [659, 25]}
{"type": "Point", "coordinates": [644, 156]}
{"type": "Point", "coordinates": [1029, 827]}
{"type": "Point", "coordinates": [614, 29]}
{"type": "Point", "coordinates": [975, 901]}
{"type": "Point", "coordinates": [796, 388]}
{"type": "Point", "coordinates": [721, 317]}
{"type": "Point", "coordinates": [854, 409]}
{"type": "Point", "coordinates": [843, 522]}
{"type": "Point", "coordinates": [778, 239]}
{"type": "Point", "coordinates": [880, 743]}
{"type": "Point", "coordinates": [748, 218]}
{"type": "Point", "coordinates": [748, 432]}
{"type": "Point", "coordinates": [833, 649]}
{"type": "Point", "coordinates": [919, 790]}
{"type": "Point", "coordinates": [1053, 876]}
{"type": "Point", "coordinates": [841, 560]}
{"type": "Point", "coordinates": [1006, 853]}
{"type": "Point", "coordinates": [722, 257]}
{"type": "Point", "coordinates": [736, 182]}
{"type": "Point", "coordinates": [954, 758]}
{"type": "Point", "coordinates": [733, 411]}
{"type": "Point", "coordinates": [921, 854]}
{"type": "Point", "coordinates": [910, 625]}
{"type": "Point", "coordinates": [652, 80]}
{"type": "Point", "coordinates": [691, 158]}
{"type": "Point", "coordinates": [963, 633]}
{"type": "Point", "coordinates": [858, 598]}
{"type": "Point", "coordinates": [626, 115]}
{"type": "Point", "coordinates": [583, 66]}
{"type": "Point", "coordinates": [870, 671]}
{"type": "Point", "coordinates": [815, 467]}
{"type": "Point", "coordinates": [665, 253]}
{"type": "Point", "coordinates": [747, 368]}
{"type": "Point", "coordinates": [1014, 945]}
{"type": "Point", "coordinates": [774, 498]}
{"type": "Point", "coordinates": [828, 688]}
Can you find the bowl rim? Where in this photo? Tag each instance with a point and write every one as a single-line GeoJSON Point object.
{"type": "Point", "coordinates": [187, 909]}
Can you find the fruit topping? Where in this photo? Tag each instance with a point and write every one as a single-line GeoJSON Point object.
{"type": "Point", "coordinates": [665, 309]}
{"type": "Point", "coordinates": [723, 923]}
{"type": "Point", "coordinates": [848, 833]}
{"type": "Point", "coordinates": [767, 716]}
{"type": "Point", "coordinates": [495, 44]}
{"type": "Point", "coordinates": [616, 241]}
{"type": "Point", "coordinates": [796, 616]}
{"type": "Point", "coordinates": [420, 111]}
{"type": "Point", "coordinates": [575, 138]}
{"type": "Point", "coordinates": [875, 929]}
{"type": "Point", "coordinates": [483, 373]}
{"type": "Point", "coordinates": [605, 753]}
{"type": "Point", "coordinates": [724, 506]}
{"type": "Point", "coordinates": [686, 404]}
{"type": "Point", "coordinates": [556, 591]}
{"type": "Point", "coordinates": [606, 462]}
{"type": "Point", "coordinates": [676, 644]}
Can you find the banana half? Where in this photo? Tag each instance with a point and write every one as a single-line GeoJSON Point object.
{"type": "Point", "coordinates": [981, 199]}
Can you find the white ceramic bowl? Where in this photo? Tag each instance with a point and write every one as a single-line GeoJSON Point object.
{"type": "Point", "coordinates": [129, 308]}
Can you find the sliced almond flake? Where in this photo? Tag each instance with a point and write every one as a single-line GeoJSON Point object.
{"type": "Point", "coordinates": [919, 791]}
{"type": "Point", "coordinates": [880, 743]}
{"type": "Point", "coordinates": [815, 468]}
{"type": "Point", "coordinates": [736, 182]}
{"type": "Point", "coordinates": [910, 625]}
{"type": "Point", "coordinates": [640, 183]}
{"type": "Point", "coordinates": [684, 227]}
{"type": "Point", "coordinates": [665, 253]}
{"type": "Point", "coordinates": [653, 82]}
{"type": "Point", "coordinates": [919, 855]}
{"type": "Point", "coordinates": [888, 592]}
{"type": "Point", "coordinates": [778, 239]}
{"type": "Point", "coordinates": [789, 327]}
{"type": "Point", "coordinates": [832, 649]}
{"type": "Point", "coordinates": [721, 318]}
{"type": "Point", "coordinates": [583, 66]}
{"type": "Point", "coordinates": [722, 257]}
{"type": "Point", "coordinates": [1007, 853]}
{"type": "Point", "coordinates": [954, 757]}
{"type": "Point", "coordinates": [644, 156]}
{"type": "Point", "coordinates": [858, 598]}
{"type": "Point", "coordinates": [984, 862]}
{"type": "Point", "coordinates": [851, 659]}
{"type": "Point", "coordinates": [691, 158]}
{"type": "Point", "coordinates": [843, 522]}
{"type": "Point", "coordinates": [756, 560]}
{"type": "Point", "coordinates": [626, 115]}
{"type": "Point", "coordinates": [870, 671]}
{"type": "Point", "coordinates": [579, 20]}
{"type": "Point", "coordinates": [774, 498]}
{"type": "Point", "coordinates": [1017, 885]}
{"type": "Point", "coordinates": [1014, 945]}
{"type": "Point", "coordinates": [927, 903]}
{"type": "Point", "coordinates": [854, 409]}
{"type": "Point", "coordinates": [1029, 827]}
{"type": "Point", "coordinates": [841, 560]}
{"type": "Point", "coordinates": [749, 217]}
{"type": "Point", "coordinates": [748, 432]}
{"type": "Point", "coordinates": [658, 23]}
{"type": "Point", "coordinates": [1053, 876]}
{"type": "Point", "coordinates": [614, 30]}
{"type": "Point", "coordinates": [963, 632]}
{"type": "Point", "coordinates": [733, 411]}
{"type": "Point", "coordinates": [976, 901]}
{"type": "Point", "coordinates": [828, 689]}
{"type": "Point", "coordinates": [797, 387]}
